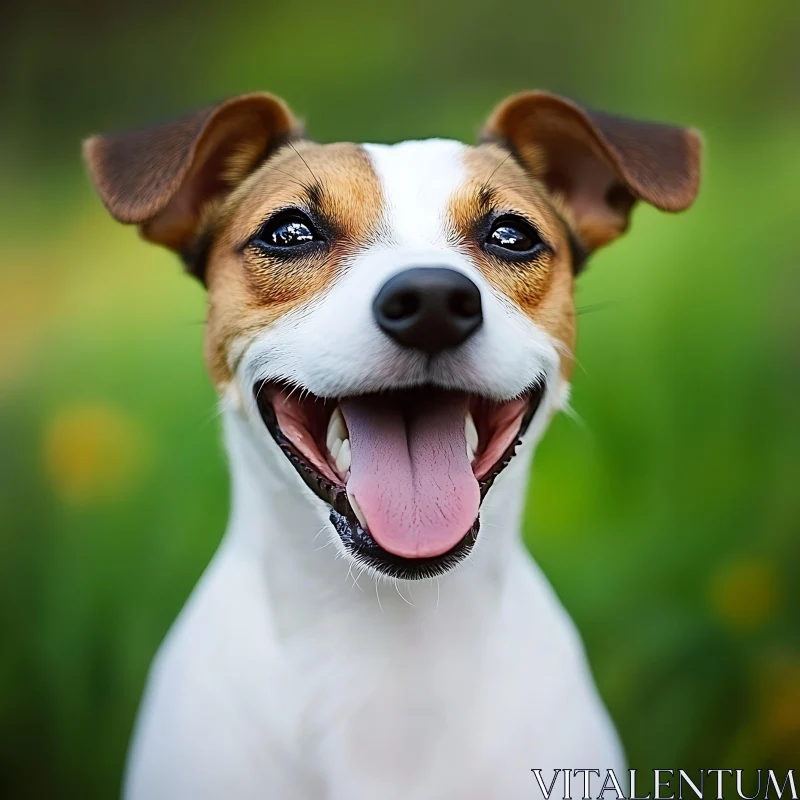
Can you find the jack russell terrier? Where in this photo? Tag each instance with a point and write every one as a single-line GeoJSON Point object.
{"type": "Point", "coordinates": [390, 330]}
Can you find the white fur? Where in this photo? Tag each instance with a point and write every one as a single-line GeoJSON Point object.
{"type": "Point", "coordinates": [291, 675]}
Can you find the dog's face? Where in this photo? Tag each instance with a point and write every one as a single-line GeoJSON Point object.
{"type": "Point", "coordinates": [393, 315]}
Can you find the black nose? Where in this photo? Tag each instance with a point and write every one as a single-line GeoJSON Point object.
{"type": "Point", "coordinates": [429, 308]}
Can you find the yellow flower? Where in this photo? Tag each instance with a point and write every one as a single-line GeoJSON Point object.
{"type": "Point", "coordinates": [93, 452]}
{"type": "Point", "coordinates": [778, 678]}
{"type": "Point", "coordinates": [745, 593]}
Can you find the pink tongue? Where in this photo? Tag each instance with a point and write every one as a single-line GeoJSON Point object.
{"type": "Point", "coordinates": [409, 473]}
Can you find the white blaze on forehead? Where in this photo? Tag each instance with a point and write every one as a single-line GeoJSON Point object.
{"type": "Point", "coordinates": [418, 179]}
{"type": "Point", "coordinates": [333, 346]}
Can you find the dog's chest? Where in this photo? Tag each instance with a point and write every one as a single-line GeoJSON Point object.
{"type": "Point", "coordinates": [421, 718]}
{"type": "Point", "coordinates": [458, 698]}
{"type": "Point", "coordinates": [448, 707]}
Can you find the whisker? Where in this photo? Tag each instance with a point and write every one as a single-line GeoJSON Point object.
{"type": "Point", "coordinates": [485, 184]}
{"type": "Point", "coordinates": [570, 354]}
{"type": "Point", "coordinates": [591, 308]}
{"type": "Point", "coordinates": [521, 186]}
{"type": "Point", "coordinates": [260, 389]}
{"type": "Point", "coordinates": [350, 574]}
{"type": "Point", "coordinates": [294, 179]}
{"type": "Point", "coordinates": [316, 179]}
{"type": "Point", "coordinates": [572, 414]}
{"type": "Point", "coordinates": [397, 589]}
{"type": "Point", "coordinates": [322, 530]}
{"type": "Point", "coordinates": [362, 568]}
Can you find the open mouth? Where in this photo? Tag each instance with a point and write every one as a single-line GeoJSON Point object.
{"type": "Point", "coordinates": [404, 472]}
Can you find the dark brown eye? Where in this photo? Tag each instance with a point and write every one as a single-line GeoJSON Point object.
{"type": "Point", "coordinates": [515, 236]}
{"type": "Point", "coordinates": [286, 230]}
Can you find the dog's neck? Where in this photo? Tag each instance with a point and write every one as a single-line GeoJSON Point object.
{"type": "Point", "coordinates": [274, 521]}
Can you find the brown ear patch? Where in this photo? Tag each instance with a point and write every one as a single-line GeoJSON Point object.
{"type": "Point", "coordinates": [161, 178]}
{"type": "Point", "coordinates": [336, 187]}
{"type": "Point", "coordinates": [599, 163]}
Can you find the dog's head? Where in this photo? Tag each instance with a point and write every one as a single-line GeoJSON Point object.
{"type": "Point", "coordinates": [393, 315]}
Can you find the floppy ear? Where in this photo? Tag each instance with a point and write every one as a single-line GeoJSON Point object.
{"type": "Point", "coordinates": [162, 178]}
{"type": "Point", "coordinates": [598, 164]}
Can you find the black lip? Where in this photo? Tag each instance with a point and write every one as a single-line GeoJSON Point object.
{"type": "Point", "coordinates": [358, 541]}
{"type": "Point", "coordinates": [369, 553]}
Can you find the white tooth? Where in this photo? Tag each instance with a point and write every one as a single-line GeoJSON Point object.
{"type": "Point", "coordinates": [337, 446]}
{"type": "Point", "coordinates": [336, 428]}
{"type": "Point", "coordinates": [343, 457]}
{"type": "Point", "coordinates": [471, 433]}
{"type": "Point", "coordinates": [357, 510]}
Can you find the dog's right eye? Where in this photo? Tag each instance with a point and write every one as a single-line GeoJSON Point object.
{"type": "Point", "coordinates": [286, 230]}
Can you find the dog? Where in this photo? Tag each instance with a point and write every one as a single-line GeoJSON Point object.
{"type": "Point", "coordinates": [390, 330]}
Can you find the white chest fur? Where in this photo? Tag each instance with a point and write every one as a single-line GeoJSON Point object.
{"type": "Point", "coordinates": [284, 677]}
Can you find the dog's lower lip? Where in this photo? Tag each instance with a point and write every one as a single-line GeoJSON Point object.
{"type": "Point", "coordinates": [354, 536]}
{"type": "Point", "coordinates": [370, 554]}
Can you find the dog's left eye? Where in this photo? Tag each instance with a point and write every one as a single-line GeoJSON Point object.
{"type": "Point", "coordinates": [514, 234]}
{"type": "Point", "coordinates": [286, 230]}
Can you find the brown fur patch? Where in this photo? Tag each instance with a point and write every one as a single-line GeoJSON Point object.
{"type": "Point", "coordinates": [336, 187]}
{"type": "Point", "coordinates": [542, 288]}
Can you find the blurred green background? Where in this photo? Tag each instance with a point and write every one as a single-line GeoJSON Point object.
{"type": "Point", "coordinates": [667, 516]}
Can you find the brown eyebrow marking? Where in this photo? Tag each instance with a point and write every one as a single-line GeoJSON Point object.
{"type": "Point", "coordinates": [579, 253]}
{"type": "Point", "coordinates": [337, 185]}
{"type": "Point", "coordinates": [542, 288]}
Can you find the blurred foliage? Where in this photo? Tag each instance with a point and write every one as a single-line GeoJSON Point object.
{"type": "Point", "coordinates": [665, 511]}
